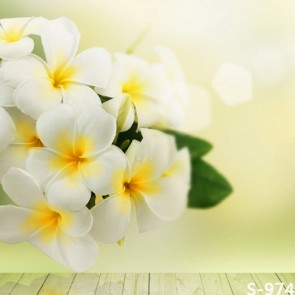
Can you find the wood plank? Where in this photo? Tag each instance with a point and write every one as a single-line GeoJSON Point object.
{"type": "Point", "coordinates": [189, 284]}
{"type": "Point", "coordinates": [281, 276]}
{"type": "Point", "coordinates": [110, 284]}
{"type": "Point", "coordinates": [136, 284]}
{"type": "Point", "coordinates": [29, 284]}
{"type": "Point", "coordinates": [8, 281]}
{"type": "Point", "coordinates": [216, 284]}
{"type": "Point", "coordinates": [261, 279]}
{"type": "Point", "coordinates": [287, 278]}
{"type": "Point", "coordinates": [84, 284]}
{"type": "Point", "coordinates": [57, 284]}
{"type": "Point", "coordinates": [239, 282]}
{"type": "Point", "coordinates": [140, 284]}
{"type": "Point", "coordinates": [162, 284]}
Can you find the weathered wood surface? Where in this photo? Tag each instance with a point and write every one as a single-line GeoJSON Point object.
{"type": "Point", "coordinates": [144, 284]}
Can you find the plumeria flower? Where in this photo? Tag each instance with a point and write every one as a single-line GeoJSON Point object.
{"type": "Point", "coordinates": [78, 153]}
{"type": "Point", "coordinates": [58, 232]}
{"type": "Point", "coordinates": [14, 32]}
{"type": "Point", "coordinates": [157, 180]}
{"type": "Point", "coordinates": [6, 92]}
{"type": "Point", "coordinates": [174, 110]}
{"type": "Point", "coordinates": [64, 78]}
{"type": "Point", "coordinates": [25, 137]}
{"type": "Point", "coordinates": [145, 85]}
{"type": "Point", "coordinates": [7, 130]}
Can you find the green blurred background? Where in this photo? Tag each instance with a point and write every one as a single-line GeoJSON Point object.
{"type": "Point", "coordinates": [253, 229]}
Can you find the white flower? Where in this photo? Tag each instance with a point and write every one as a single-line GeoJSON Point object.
{"type": "Point", "coordinates": [6, 92]}
{"type": "Point", "coordinates": [174, 110]}
{"type": "Point", "coordinates": [58, 232]}
{"type": "Point", "coordinates": [78, 153]}
{"type": "Point", "coordinates": [7, 129]}
{"type": "Point", "coordinates": [157, 181]}
{"type": "Point", "coordinates": [64, 78]}
{"type": "Point", "coordinates": [146, 85]}
{"type": "Point", "coordinates": [25, 138]}
{"type": "Point", "coordinates": [14, 40]}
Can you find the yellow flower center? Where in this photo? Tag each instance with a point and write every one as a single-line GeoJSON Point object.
{"type": "Point", "coordinates": [46, 220]}
{"type": "Point", "coordinates": [83, 146]}
{"type": "Point", "coordinates": [61, 76]}
{"type": "Point", "coordinates": [76, 160]}
{"type": "Point", "coordinates": [36, 142]}
{"type": "Point", "coordinates": [141, 181]}
{"type": "Point", "coordinates": [134, 88]}
{"type": "Point", "coordinates": [71, 154]}
{"type": "Point", "coordinates": [12, 35]}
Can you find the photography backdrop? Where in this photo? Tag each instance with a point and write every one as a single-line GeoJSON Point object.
{"type": "Point", "coordinates": [254, 141]}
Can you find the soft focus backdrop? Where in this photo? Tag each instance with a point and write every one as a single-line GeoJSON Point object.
{"type": "Point", "coordinates": [239, 60]}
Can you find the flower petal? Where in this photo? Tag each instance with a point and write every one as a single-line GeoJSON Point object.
{"type": "Point", "coordinates": [111, 218]}
{"type": "Point", "coordinates": [67, 189]}
{"type": "Point", "coordinates": [6, 94]}
{"type": "Point", "coordinates": [115, 107]}
{"type": "Point", "coordinates": [21, 187]}
{"type": "Point", "coordinates": [147, 219]}
{"type": "Point", "coordinates": [119, 75]}
{"type": "Point", "coordinates": [60, 40]}
{"type": "Point", "coordinates": [34, 25]}
{"type": "Point", "coordinates": [79, 223]}
{"type": "Point", "coordinates": [96, 130]}
{"type": "Point", "coordinates": [17, 49]}
{"type": "Point", "coordinates": [170, 199]}
{"type": "Point", "coordinates": [181, 166]}
{"type": "Point", "coordinates": [25, 127]}
{"type": "Point", "coordinates": [93, 67]}
{"type": "Point", "coordinates": [17, 71]}
{"type": "Point", "coordinates": [148, 112]}
{"type": "Point", "coordinates": [33, 97]}
{"type": "Point", "coordinates": [23, 25]}
{"type": "Point", "coordinates": [13, 156]}
{"type": "Point", "coordinates": [50, 248]}
{"type": "Point", "coordinates": [81, 97]}
{"type": "Point", "coordinates": [175, 74]}
{"type": "Point", "coordinates": [14, 24]}
{"type": "Point", "coordinates": [79, 253]}
{"type": "Point", "coordinates": [131, 152]}
{"type": "Point", "coordinates": [11, 226]}
{"type": "Point", "coordinates": [56, 128]}
{"type": "Point", "coordinates": [157, 150]}
{"type": "Point", "coordinates": [44, 164]}
{"type": "Point", "coordinates": [103, 173]}
{"type": "Point", "coordinates": [7, 129]}
{"type": "Point", "coordinates": [147, 85]}
{"type": "Point", "coordinates": [76, 253]}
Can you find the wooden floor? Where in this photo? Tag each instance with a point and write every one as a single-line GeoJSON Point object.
{"type": "Point", "coordinates": [143, 284]}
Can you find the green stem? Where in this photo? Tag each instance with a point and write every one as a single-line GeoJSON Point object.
{"type": "Point", "coordinates": [134, 45]}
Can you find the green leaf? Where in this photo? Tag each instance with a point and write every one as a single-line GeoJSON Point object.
{"type": "Point", "coordinates": [91, 202]}
{"type": "Point", "coordinates": [208, 186]}
{"type": "Point", "coordinates": [4, 199]}
{"type": "Point", "coordinates": [129, 135]}
{"type": "Point", "coordinates": [104, 98]}
{"type": "Point", "coordinates": [197, 147]}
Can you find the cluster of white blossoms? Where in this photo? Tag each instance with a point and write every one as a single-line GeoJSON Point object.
{"type": "Point", "coordinates": [66, 160]}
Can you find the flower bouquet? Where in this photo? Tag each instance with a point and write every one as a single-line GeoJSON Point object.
{"type": "Point", "coordinates": [88, 139]}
